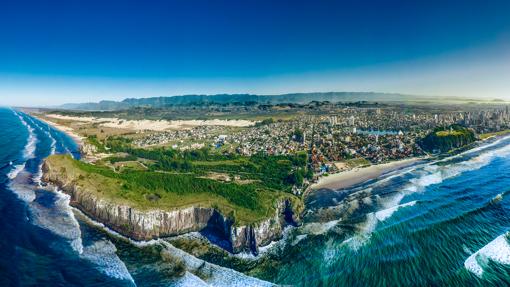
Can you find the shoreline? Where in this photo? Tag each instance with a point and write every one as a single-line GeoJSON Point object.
{"type": "Point", "coordinates": [66, 130]}
{"type": "Point", "coordinates": [356, 176]}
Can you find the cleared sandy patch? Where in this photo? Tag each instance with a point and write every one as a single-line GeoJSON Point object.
{"type": "Point", "coordinates": [69, 118]}
{"type": "Point", "coordinates": [152, 125]}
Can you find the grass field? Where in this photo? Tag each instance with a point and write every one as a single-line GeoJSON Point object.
{"type": "Point", "coordinates": [145, 190]}
{"type": "Point", "coordinates": [488, 135]}
{"type": "Point", "coordinates": [446, 133]}
{"type": "Point", "coordinates": [357, 162]}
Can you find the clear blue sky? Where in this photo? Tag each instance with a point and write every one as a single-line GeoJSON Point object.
{"type": "Point", "coordinates": [61, 51]}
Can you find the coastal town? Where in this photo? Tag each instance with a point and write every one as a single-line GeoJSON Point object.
{"type": "Point", "coordinates": [339, 139]}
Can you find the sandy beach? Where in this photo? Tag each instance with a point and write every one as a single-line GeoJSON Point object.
{"type": "Point", "coordinates": [67, 130]}
{"type": "Point", "coordinates": [359, 175]}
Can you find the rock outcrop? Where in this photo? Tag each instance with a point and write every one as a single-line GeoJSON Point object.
{"type": "Point", "coordinates": [445, 139]}
{"type": "Point", "coordinates": [150, 224]}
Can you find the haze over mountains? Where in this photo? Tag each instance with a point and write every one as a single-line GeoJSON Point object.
{"type": "Point", "coordinates": [298, 98]}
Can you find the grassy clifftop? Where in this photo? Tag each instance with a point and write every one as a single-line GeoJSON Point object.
{"type": "Point", "coordinates": [145, 190]}
{"type": "Point", "coordinates": [446, 139]}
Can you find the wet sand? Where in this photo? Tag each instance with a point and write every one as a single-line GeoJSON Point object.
{"type": "Point", "coordinates": [356, 176]}
{"type": "Point", "coordinates": [67, 130]}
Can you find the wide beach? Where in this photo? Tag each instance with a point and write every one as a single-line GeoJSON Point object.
{"type": "Point", "coordinates": [67, 130]}
{"type": "Point", "coordinates": [356, 176]}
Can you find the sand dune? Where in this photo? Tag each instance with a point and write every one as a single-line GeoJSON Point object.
{"type": "Point", "coordinates": [153, 125]}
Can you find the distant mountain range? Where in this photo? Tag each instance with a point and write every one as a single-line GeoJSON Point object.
{"type": "Point", "coordinates": [298, 98]}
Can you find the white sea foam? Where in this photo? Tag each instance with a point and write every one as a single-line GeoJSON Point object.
{"type": "Point", "coordinates": [53, 145]}
{"type": "Point", "coordinates": [189, 279]}
{"type": "Point", "coordinates": [365, 230]}
{"type": "Point", "coordinates": [20, 183]}
{"type": "Point", "coordinates": [497, 250]}
{"type": "Point", "coordinates": [435, 174]}
{"type": "Point", "coordinates": [273, 247]}
{"type": "Point", "coordinates": [425, 175]}
{"type": "Point", "coordinates": [216, 275]}
{"type": "Point", "coordinates": [47, 131]}
{"type": "Point", "coordinates": [384, 214]}
{"type": "Point", "coordinates": [497, 198]}
{"type": "Point", "coordinates": [29, 151]}
{"type": "Point", "coordinates": [37, 178]}
{"type": "Point", "coordinates": [15, 171]}
{"type": "Point", "coordinates": [477, 149]}
{"type": "Point", "coordinates": [103, 254]}
{"type": "Point", "coordinates": [298, 239]}
{"type": "Point", "coordinates": [318, 227]}
{"type": "Point", "coordinates": [330, 252]}
{"type": "Point", "coordinates": [60, 220]}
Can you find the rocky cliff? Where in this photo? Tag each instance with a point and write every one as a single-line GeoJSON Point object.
{"type": "Point", "coordinates": [149, 224]}
{"type": "Point", "coordinates": [444, 139]}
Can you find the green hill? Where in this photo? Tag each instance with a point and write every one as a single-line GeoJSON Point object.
{"type": "Point", "coordinates": [444, 139]}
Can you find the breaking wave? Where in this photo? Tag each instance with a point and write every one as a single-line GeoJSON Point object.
{"type": "Point", "coordinates": [215, 275]}
{"type": "Point", "coordinates": [384, 214]}
{"type": "Point", "coordinates": [29, 151]}
{"type": "Point", "coordinates": [60, 220]}
{"type": "Point", "coordinates": [426, 175]}
{"type": "Point", "coordinates": [103, 254]}
{"type": "Point", "coordinates": [20, 184]}
{"type": "Point", "coordinates": [15, 171]}
{"type": "Point", "coordinates": [433, 173]}
{"type": "Point", "coordinates": [53, 147]}
{"type": "Point", "coordinates": [497, 250]}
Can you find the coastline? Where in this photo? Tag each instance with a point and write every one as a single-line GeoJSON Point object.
{"type": "Point", "coordinates": [356, 176]}
{"type": "Point", "coordinates": [67, 130]}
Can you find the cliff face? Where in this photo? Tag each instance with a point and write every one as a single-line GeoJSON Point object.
{"type": "Point", "coordinates": [250, 237]}
{"type": "Point", "coordinates": [442, 140]}
{"type": "Point", "coordinates": [150, 224]}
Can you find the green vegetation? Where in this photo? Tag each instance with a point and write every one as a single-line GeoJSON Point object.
{"type": "Point", "coordinates": [93, 140]}
{"type": "Point", "coordinates": [265, 122]}
{"type": "Point", "coordinates": [488, 135]}
{"type": "Point", "coordinates": [357, 162]}
{"type": "Point", "coordinates": [444, 139]}
{"type": "Point", "coordinates": [116, 159]}
{"type": "Point", "coordinates": [272, 172]}
{"type": "Point", "coordinates": [246, 189]}
{"type": "Point", "coordinates": [246, 203]}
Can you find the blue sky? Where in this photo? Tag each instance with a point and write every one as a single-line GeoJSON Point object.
{"type": "Point", "coordinates": [67, 51]}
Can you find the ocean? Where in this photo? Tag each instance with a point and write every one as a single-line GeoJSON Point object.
{"type": "Point", "coordinates": [441, 223]}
